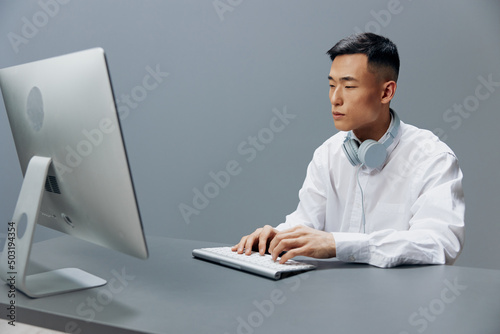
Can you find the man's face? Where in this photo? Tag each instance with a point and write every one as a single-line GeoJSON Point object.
{"type": "Point", "coordinates": [356, 97]}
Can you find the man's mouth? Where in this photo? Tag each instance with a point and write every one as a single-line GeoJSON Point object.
{"type": "Point", "coordinates": [337, 115]}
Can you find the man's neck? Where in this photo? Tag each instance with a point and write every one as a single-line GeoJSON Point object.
{"type": "Point", "coordinates": [376, 130]}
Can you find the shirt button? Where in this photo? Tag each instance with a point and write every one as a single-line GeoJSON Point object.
{"type": "Point", "coordinates": [352, 258]}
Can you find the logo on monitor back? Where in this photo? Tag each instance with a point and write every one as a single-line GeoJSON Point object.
{"type": "Point", "coordinates": [34, 108]}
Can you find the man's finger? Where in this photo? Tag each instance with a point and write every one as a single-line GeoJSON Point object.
{"type": "Point", "coordinates": [292, 233]}
{"type": "Point", "coordinates": [291, 254]}
{"type": "Point", "coordinates": [249, 244]}
{"type": "Point", "coordinates": [241, 245]}
{"type": "Point", "coordinates": [264, 238]}
{"type": "Point", "coordinates": [285, 245]}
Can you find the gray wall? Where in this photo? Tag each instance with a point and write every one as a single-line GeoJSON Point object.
{"type": "Point", "coordinates": [232, 65]}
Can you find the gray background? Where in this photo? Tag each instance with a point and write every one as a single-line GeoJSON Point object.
{"type": "Point", "coordinates": [229, 70]}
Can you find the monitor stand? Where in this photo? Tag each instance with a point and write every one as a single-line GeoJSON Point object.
{"type": "Point", "coordinates": [17, 248]}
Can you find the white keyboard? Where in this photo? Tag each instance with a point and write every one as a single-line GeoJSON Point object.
{"type": "Point", "coordinates": [255, 263]}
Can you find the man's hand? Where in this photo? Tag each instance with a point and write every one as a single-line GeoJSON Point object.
{"type": "Point", "coordinates": [302, 240]}
{"type": "Point", "coordinates": [258, 239]}
{"type": "Point", "coordinates": [299, 240]}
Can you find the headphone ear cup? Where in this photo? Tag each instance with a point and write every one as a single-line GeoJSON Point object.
{"type": "Point", "coordinates": [350, 148]}
{"type": "Point", "coordinates": [372, 153]}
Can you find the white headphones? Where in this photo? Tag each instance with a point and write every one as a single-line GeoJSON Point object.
{"type": "Point", "coordinates": [371, 153]}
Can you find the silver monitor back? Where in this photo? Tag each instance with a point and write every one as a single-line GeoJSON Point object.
{"type": "Point", "coordinates": [63, 108]}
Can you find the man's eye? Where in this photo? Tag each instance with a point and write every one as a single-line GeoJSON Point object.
{"type": "Point", "coordinates": [350, 86]}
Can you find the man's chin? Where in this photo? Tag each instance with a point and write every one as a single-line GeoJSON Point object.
{"type": "Point", "coordinates": [341, 126]}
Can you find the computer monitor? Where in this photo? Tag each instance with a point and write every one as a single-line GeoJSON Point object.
{"type": "Point", "coordinates": [77, 179]}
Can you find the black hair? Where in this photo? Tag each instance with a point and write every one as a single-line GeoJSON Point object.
{"type": "Point", "coordinates": [381, 51]}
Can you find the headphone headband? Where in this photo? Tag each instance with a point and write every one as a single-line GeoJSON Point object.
{"type": "Point", "coordinates": [393, 130]}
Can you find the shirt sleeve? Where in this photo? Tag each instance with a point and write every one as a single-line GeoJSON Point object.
{"type": "Point", "coordinates": [436, 227]}
{"type": "Point", "coordinates": [312, 198]}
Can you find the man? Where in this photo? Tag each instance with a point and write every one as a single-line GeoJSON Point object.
{"type": "Point", "coordinates": [379, 191]}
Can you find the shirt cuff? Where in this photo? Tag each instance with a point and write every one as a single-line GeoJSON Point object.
{"type": "Point", "coordinates": [352, 247]}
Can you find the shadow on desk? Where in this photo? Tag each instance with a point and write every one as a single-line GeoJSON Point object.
{"type": "Point", "coordinates": [336, 264]}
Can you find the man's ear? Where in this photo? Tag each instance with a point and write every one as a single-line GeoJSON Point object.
{"type": "Point", "coordinates": [388, 92]}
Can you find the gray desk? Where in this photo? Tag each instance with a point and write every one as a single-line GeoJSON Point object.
{"type": "Point", "coordinates": [174, 293]}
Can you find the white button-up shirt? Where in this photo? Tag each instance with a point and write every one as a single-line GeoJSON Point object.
{"type": "Point", "coordinates": [413, 206]}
